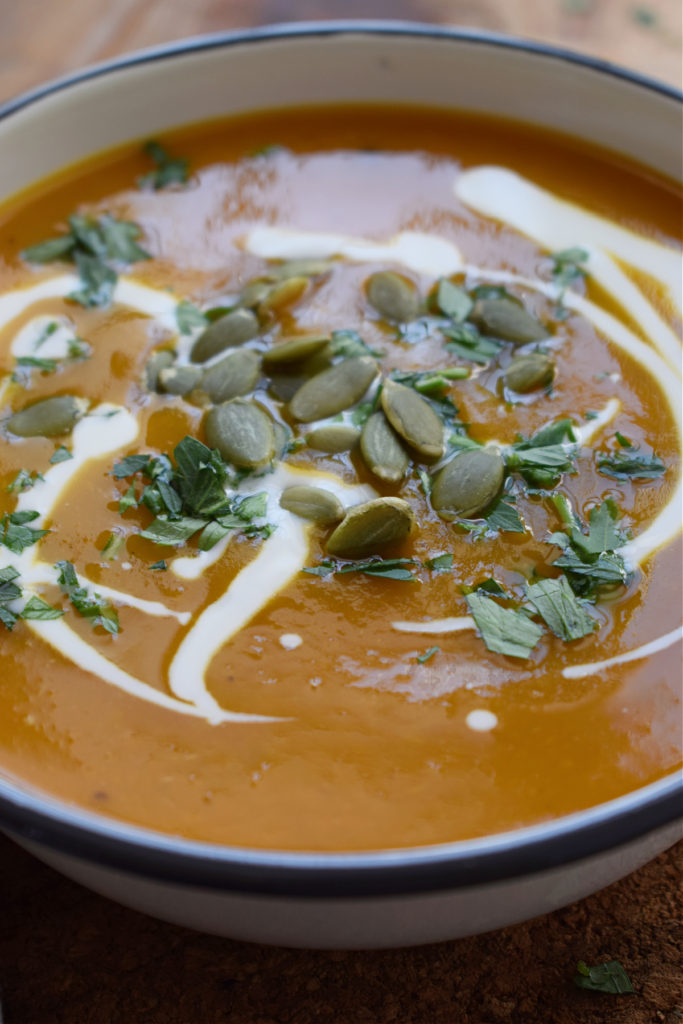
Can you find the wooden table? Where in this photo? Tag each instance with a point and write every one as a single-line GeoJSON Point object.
{"type": "Point", "coordinates": [69, 957]}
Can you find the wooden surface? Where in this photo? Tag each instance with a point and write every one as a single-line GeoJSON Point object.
{"type": "Point", "coordinates": [69, 957]}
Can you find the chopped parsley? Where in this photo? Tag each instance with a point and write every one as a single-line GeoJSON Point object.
{"type": "Point", "coordinates": [189, 497]}
{"type": "Point", "coordinates": [15, 535]}
{"type": "Point", "coordinates": [23, 481]}
{"type": "Point", "coordinates": [503, 515]}
{"type": "Point", "coordinates": [504, 630]}
{"type": "Point", "coordinates": [608, 977]}
{"type": "Point", "coordinates": [454, 302]}
{"type": "Point", "coordinates": [388, 569]}
{"type": "Point", "coordinates": [10, 591]}
{"type": "Point", "coordinates": [169, 170]}
{"type": "Point", "coordinates": [590, 559]}
{"type": "Point", "coordinates": [91, 606]}
{"type": "Point", "coordinates": [542, 458]}
{"type": "Point", "coordinates": [465, 340]}
{"type": "Point", "coordinates": [349, 344]}
{"type": "Point", "coordinates": [629, 463]}
{"type": "Point", "coordinates": [429, 653]}
{"type": "Point", "coordinates": [189, 318]}
{"type": "Point", "coordinates": [97, 246]}
{"type": "Point", "coordinates": [60, 454]}
{"type": "Point", "coordinates": [440, 563]}
{"type": "Point", "coordinates": [556, 603]}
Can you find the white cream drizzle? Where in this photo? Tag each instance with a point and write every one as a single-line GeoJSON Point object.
{"type": "Point", "coordinates": [423, 253]}
{"type": "Point", "coordinates": [585, 432]}
{"type": "Point", "coordinates": [279, 558]}
{"type": "Point", "coordinates": [593, 667]}
{"type": "Point", "coordinates": [434, 626]}
{"type": "Point", "coordinates": [481, 720]}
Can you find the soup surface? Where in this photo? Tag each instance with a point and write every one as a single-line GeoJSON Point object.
{"type": "Point", "coordinates": [340, 480]}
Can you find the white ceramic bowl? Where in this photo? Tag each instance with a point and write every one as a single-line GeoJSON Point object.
{"type": "Point", "coordinates": [394, 897]}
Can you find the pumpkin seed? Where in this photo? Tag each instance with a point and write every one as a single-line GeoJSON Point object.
{"type": "Point", "coordinates": [333, 438]}
{"type": "Point", "coordinates": [282, 295]}
{"type": "Point", "coordinates": [367, 527]}
{"type": "Point", "coordinates": [506, 319]}
{"type": "Point", "coordinates": [299, 268]}
{"type": "Point", "coordinates": [234, 375]}
{"type": "Point", "coordinates": [254, 292]}
{"type": "Point", "coordinates": [179, 380]}
{"type": "Point", "coordinates": [393, 296]}
{"type": "Point", "coordinates": [333, 390]}
{"type": "Point", "coordinates": [312, 503]}
{"type": "Point", "coordinates": [157, 362]}
{"type": "Point", "coordinates": [281, 435]}
{"type": "Point", "coordinates": [293, 350]}
{"type": "Point", "coordinates": [413, 418]}
{"type": "Point", "coordinates": [242, 432]}
{"type": "Point", "coordinates": [228, 331]}
{"type": "Point", "coordinates": [382, 451]}
{"type": "Point", "coordinates": [468, 483]}
{"type": "Point", "coordinates": [49, 417]}
{"type": "Point", "coordinates": [284, 386]}
{"type": "Point", "coordinates": [525, 373]}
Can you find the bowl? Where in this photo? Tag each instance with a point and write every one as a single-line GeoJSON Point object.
{"type": "Point", "coordinates": [395, 897]}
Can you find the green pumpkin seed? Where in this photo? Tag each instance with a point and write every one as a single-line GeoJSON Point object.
{"type": "Point", "coordinates": [282, 295]}
{"type": "Point", "coordinates": [413, 418]}
{"type": "Point", "coordinates": [282, 436]}
{"type": "Point", "coordinates": [179, 380]}
{"type": "Point", "coordinates": [294, 350]}
{"type": "Point", "coordinates": [254, 292]}
{"type": "Point", "coordinates": [370, 526]}
{"type": "Point", "coordinates": [382, 451]}
{"type": "Point", "coordinates": [49, 417]}
{"type": "Point", "coordinates": [333, 390]}
{"type": "Point", "coordinates": [157, 362]}
{"type": "Point", "coordinates": [299, 268]}
{"type": "Point", "coordinates": [393, 296]}
{"type": "Point", "coordinates": [242, 432]}
{"type": "Point", "coordinates": [228, 331]}
{"type": "Point", "coordinates": [333, 438]}
{"type": "Point", "coordinates": [234, 375]}
{"type": "Point", "coordinates": [525, 373]}
{"type": "Point", "coordinates": [506, 319]}
{"type": "Point", "coordinates": [312, 503]}
{"type": "Point", "coordinates": [468, 483]}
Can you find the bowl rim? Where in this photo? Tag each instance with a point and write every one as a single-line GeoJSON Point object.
{"type": "Point", "coordinates": [39, 818]}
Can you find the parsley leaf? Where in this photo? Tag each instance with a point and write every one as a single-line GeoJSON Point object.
{"type": "Point", "coordinates": [389, 569]}
{"type": "Point", "coordinates": [172, 532]}
{"type": "Point", "coordinates": [429, 653]}
{"type": "Point", "coordinates": [466, 341]}
{"type": "Point", "coordinates": [159, 566]}
{"type": "Point", "coordinates": [502, 515]}
{"type": "Point", "coordinates": [189, 318]}
{"type": "Point", "coordinates": [567, 266]}
{"type": "Point", "coordinates": [93, 244]}
{"type": "Point", "coordinates": [555, 602]}
{"type": "Point", "coordinates": [608, 977]}
{"type": "Point", "coordinates": [419, 330]}
{"type": "Point", "coordinates": [542, 458]}
{"type": "Point", "coordinates": [453, 301]}
{"type": "Point", "coordinates": [200, 477]}
{"type": "Point", "coordinates": [348, 344]}
{"type": "Point", "coordinates": [15, 534]}
{"type": "Point", "coordinates": [90, 606]}
{"type": "Point", "coordinates": [503, 630]}
{"type": "Point", "coordinates": [169, 170]}
{"type": "Point", "coordinates": [33, 362]}
{"type": "Point", "coordinates": [23, 481]}
{"type": "Point", "coordinates": [630, 464]}
{"type": "Point", "coordinates": [60, 454]}
{"type": "Point", "coordinates": [36, 608]}
{"type": "Point", "coordinates": [440, 563]}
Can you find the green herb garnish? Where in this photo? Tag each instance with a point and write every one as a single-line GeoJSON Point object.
{"type": "Point", "coordinates": [503, 630]}
{"type": "Point", "coordinates": [453, 301]}
{"type": "Point", "coordinates": [189, 318]}
{"type": "Point", "coordinates": [440, 563]}
{"type": "Point", "coordinates": [556, 603]}
{"type": "Point", "coordinates": [349, 344]}
{"type": "Point", "coordinates": [629, 463]}
{"type": "Point", "coordinates": [15, 534]}
{"type": "Point", "coordinates": [23, 481]}
{"type": "Point", "coordinates": [466, 341]}
{"type": "Point", "coordinates": [169, 170]}
{"type": "Point", "coordinates": [97, 245]}
{"type": "Point", "coordinates": [39, 610]}
{"type": "Point", "coordinates": [388, 569]}
{"type": "Point", "coordinates": [429, 653]}
{"type": "Point", "coordinates": [608, 977]}
{"type": "Point", "coordinates": [502, 515]}
{"type": "Point", "coordinates": [91, 606]}
{"type": "Point", "coordinates": [60, 454]}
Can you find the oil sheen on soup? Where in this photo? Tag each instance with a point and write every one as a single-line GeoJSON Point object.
{"type": "Point", "coordinates": [340, 480]}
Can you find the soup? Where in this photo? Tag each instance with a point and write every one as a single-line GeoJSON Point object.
{"type": "Point", "coordinates": [340, 480]}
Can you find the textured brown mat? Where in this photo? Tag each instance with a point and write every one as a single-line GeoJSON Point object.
{"type": "Point", "coordinates": [69, 957]}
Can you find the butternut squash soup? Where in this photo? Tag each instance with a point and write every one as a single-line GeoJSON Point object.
{"type": "Point", "coordinates": [341, 480]}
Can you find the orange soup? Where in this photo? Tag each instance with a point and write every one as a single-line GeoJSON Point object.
{"type": "Point", "coordinates": [340, 480]}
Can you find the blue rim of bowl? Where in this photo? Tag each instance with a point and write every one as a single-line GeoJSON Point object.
{"type": "Point", "coordinates": [49, 822]}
